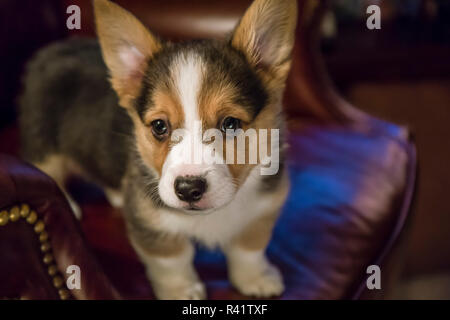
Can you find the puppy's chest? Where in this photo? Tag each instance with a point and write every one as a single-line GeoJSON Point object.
{"type": "Point", "coordinates": [217, 228]}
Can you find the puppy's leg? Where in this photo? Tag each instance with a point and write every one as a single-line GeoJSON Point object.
{"type": "Point", "coordinates": [249, 269]}
{"type": "Point", "coordinates": [169, 263]}
{"type": "Point", "coordinates": [56, 167]}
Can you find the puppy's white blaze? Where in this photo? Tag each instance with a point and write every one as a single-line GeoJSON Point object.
{"type": "Point", "coordinates": [187, 71]}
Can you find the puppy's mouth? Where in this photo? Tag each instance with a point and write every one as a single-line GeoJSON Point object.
{"type": "Point", "coordinates": [193, 209]}
{"type": "Point", "coordinates": [198, 209]}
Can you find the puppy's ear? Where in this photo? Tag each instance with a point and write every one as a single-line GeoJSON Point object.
{"type": "Point", "coordinates": [126, 47]}
{"type": "Point", "coordinates": [266, 35]}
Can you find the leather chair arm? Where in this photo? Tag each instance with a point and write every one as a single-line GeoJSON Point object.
{"type": "Point", "coordinates": [40, 238]}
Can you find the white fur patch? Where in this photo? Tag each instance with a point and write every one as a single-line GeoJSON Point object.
{"type": "Point", "coordinates": [187, 72]}
{"type": "Point", "coordinates": [217, 228]}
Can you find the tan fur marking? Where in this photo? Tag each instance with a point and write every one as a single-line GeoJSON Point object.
{"type": "Point", "coordinates": [165, 107]}
{"type": "Point", "coordinates": [152, 152]}
{"type": "Point", "coordinates": [216, 103]}
{"type": "Point", "coordinates": [269, 118]}
{"type": "Point", "coordinates": [166, 104]}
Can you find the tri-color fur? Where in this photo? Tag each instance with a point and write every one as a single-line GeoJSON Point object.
{"type": "Point", "coordinates": [74, 120]}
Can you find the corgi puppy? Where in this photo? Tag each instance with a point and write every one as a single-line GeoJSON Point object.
{"type": "Point", "coordinates": [120, 134]}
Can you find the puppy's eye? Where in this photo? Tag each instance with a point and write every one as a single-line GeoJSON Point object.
{"type": "Point", "coordinates": [230, 123]}
{"type": "Point", "coordinates": [160, 129]}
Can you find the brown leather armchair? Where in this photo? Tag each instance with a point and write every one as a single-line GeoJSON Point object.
{"type": "Point", "coordinates": [353, 179]}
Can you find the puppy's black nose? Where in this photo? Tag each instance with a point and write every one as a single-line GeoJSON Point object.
{"type": "Point", "coordinates": [190, 189]}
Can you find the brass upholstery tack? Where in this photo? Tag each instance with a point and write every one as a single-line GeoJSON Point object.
{"type": "Point", "coordinates": [14, 214]}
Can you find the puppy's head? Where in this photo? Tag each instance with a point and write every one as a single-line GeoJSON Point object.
{"type": "Point", "coordinates": [190, 102]}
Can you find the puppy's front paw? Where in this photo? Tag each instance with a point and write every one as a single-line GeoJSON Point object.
{"type": "Point", "coordinates": [263, 283]}
{"type": "Point", "coordinates": [189, 291]}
